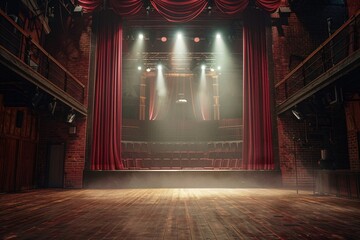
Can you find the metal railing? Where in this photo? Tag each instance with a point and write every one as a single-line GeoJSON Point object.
{"type": "Point", "coordinates": [340, 45]}
{"type": "Point", "coordinates": [19, 43]}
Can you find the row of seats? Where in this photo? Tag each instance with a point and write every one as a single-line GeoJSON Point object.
{"type": "Point", "coordinates": [184, 163]}
{"type": "Point", "coordinates": [182, 155]}
{"type": "Point", "coordinates": [216, 146]}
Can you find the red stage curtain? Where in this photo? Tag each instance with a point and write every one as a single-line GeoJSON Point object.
{"type": "Point", "coordinates": [107, 120]}
{"type": "Point", "coordinates": [268, 5]}
{"type": "Point", "coordinates": [257, 136]}
{"type": "Point", "coordinates": [179, 11]}
{"type": "Point", "coordinates": [90, 5]}
{"type": "Point", "coordinates": [126, 7]}
{"type": "Point", "coordinates": [231, 6]}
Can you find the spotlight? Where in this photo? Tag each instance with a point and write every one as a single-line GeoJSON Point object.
{"type": "Point", "coordinates": [297, 114]}
{"type": "Point", "coordinates": [141, 36]}
{"type": "Point", "coordinates": [219, 68]}
{"type": "Point", "coordinates": [70, 117]}
{"type": "Point", "coordinates": [209, 10]}
{"type": "Point", "coordinates": [181, 98]}
{"type": "Point", "coordinates": [78, 10]}
{"type": "Point", "coordinates": [212, 69]}
{"type": "Point", "coordinates": [163, 39]}
{"type": "Point", "coordinates": [203, 67]}
{"type": "Point", "coordinates": [218, 36]}
{"type": "Point", "coordinates": [148, 69]}
{"type": "Point", "coordinates": [139, 68]}
{"type": "Point", "coordinates": [196, 39]}
{"type": "Point", "coordinates": [179, 35]}
{"type": "Point", "coordinates": [159, 67]}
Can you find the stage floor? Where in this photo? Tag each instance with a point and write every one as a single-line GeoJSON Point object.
{"type": "Point", "coordinates": [177, 214]}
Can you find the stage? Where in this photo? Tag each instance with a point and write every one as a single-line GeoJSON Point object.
{"type": "Point", "coordinates": [177, 214]}
{"type": "Point", "coordinates": [181, 179]}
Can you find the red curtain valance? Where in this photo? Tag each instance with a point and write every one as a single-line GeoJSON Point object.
{"type": "Point", "coordinates": [268, 5]}
{"type": "Point", "coordinates": [231, 6]}
{"type": "Point", "coordinates": [126, 7]}
{"type": "Point", "coordinates": [178, 10]}
{"type": "Point", "coordinates": [90, 5]}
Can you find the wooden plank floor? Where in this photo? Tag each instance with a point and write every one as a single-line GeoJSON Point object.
{"type": "Point", "coordinates": [177, 214]}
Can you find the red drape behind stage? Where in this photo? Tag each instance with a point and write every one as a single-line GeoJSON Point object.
{"type": "Point", "coordinates": [163, 103]}
{"type": "Point", "coordinates": [106, 144]}
{"type": "Point", "coordinates": [257, 135]}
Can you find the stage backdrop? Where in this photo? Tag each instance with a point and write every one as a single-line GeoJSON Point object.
{"type": "Point", "coordinates": [106, 144]}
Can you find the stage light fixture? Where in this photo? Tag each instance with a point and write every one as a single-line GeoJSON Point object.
{"type": "Point", "coordinates": [219, 68]}
{"type": "Point", "coordinates": [196, 39]}
{"type": "Point", "coordinates": [163, 39]}
{"type": "Point", "coordinates": [159, 67]}
{"type": "Point", "coordinates": [148, 70]}
{"type": "Point", "coordinates": [78, 10]}
{"type": "Point", "coordinates": [203, 67]}
{"type": "Point", "coordinates": [181, 98]}
{"type": "Point", "coordinates": [179, 35]}
{"type": "Point", "coordinates": [139, 68]}
{"type": "Point", "coordinates": [297, 114]}
{"type": "Point", "coordinates": [218, 36]}
{"type": "Point", "coordinates": [70, 116]}
{"type": "Point", "coordinates": [141, 36]}
{"type": "Point", "coordinates": [212, 69]}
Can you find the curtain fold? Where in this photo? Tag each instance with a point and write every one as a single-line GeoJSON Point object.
{"type": "Point", "coordinates": [268, 5]}
{"type": "Point", "coordinates": [179, 11]}
{"type": "Point", "coordinates": [107, 120]}
{"type": "Point", "coordinates": [175, 10]}
{"type": "Point", "coordinates": [90, 5]}
{"type": "Point", "coordinates": [126, 7]}
{"type": "Point", "coordinates": [257, 135]}
{"type": "Point", "coordinates": [231, 6]}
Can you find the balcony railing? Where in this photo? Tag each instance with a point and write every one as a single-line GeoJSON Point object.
{"type": "Point", "coordinates": [345, 42]}
{"type": "Point", "coordinates": [19, 43]}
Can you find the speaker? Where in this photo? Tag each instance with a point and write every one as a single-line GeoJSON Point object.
{"type": "Point", "coordinates": [19, 118]}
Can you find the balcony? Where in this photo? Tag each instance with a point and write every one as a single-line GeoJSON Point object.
{"type": "Point", "coordinates": [30, 62]}
{"type": "Point", "coordinates": [338, 56]}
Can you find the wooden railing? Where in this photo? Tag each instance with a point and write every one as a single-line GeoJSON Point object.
{"type": "Point", "coordinates": [18, 42]}
{"type": "Point", "coordinates": [339, 46]}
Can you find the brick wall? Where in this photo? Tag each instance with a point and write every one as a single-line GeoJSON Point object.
{"type": "Point", "coordinates": [294, 146]}
{"type": "Point", "coordinates": [292, 43]}
{"type": "Point", "coordinates": [74, 56]}
{"type": "Point", "coordinates": [352, 111]}
{"type": "Point", "coordinates": [76, 145]}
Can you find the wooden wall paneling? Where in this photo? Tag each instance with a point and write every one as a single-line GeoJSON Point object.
{"type": "Point", "coordinates": [7, 120]}
{"type": "Point", "coordinates": [2, 115]}
{"type": "Point", "coordinates": [27, 125]}
{"type": "Point", "coordinates": [34, 129]}
{"type": "Point", "coordinates": [2, 162]}
{"type": "Point", "coordinates": [12, 122]}
{"type": "Point", "coordinates": [25, 166]}
{"type": "Point", "coordinates": [9, 165]}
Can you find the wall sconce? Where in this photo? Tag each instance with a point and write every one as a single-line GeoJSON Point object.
{"type": "Point", "coordinates": [70, 116]}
